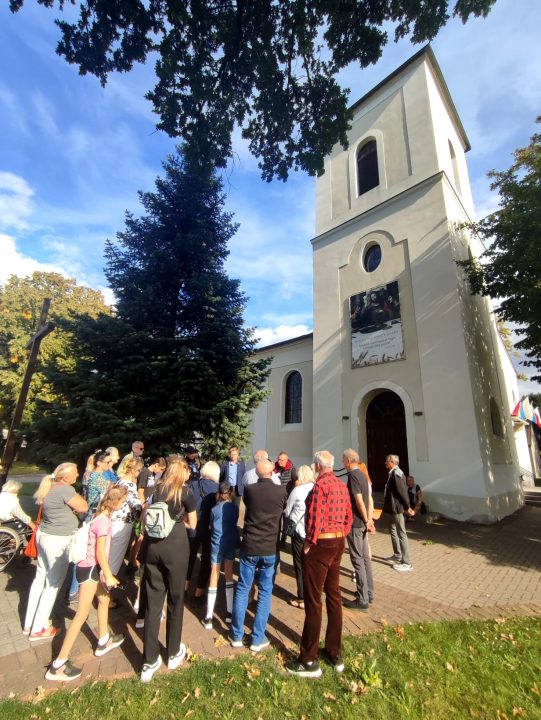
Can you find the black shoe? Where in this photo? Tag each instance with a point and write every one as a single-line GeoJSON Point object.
{"type": "Point", "coordinates": [355, 605]}
{"type": "Point", "coordinates": [336, 662]}
{"type": "Point", "coordinates": [306, 669]}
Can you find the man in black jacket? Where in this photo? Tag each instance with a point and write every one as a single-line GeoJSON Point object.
{"type": "Point", "coordinates": [395, 504]}
{"type": "Point", "coordinates": [265, 504]}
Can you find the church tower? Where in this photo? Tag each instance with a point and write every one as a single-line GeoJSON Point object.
{"type": "Point", "coordinates": [405, 360]}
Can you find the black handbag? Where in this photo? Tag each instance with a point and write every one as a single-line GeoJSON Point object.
{"type": "Point", "coordinates": [291, 526]}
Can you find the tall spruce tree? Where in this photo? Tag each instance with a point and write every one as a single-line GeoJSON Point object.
{"type": "Point", "coordinates": [173, 364]}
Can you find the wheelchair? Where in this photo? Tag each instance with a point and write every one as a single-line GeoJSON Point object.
{"type": "Point", "coordinates": [14, 536]}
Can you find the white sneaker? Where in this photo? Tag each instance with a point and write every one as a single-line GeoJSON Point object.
{"type": "Point", "coordinates": [403, 567]}
{"type": "Point", "coordinates": [260, 646]}
{"type": "Point", "coordinates": [175, 660]}
{"type": "Point", "coordinates": [148, 670]}
{"type": "Point", "coordinates": [207, 623]}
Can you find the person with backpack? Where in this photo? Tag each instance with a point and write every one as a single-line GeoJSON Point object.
{"type": "Point", "coordinates": [165, 552]}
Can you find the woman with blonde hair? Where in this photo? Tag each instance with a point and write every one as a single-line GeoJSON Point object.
{"type": "Point", "coordinates": [166, 563]}
{"type": "Point", "coordinates": [59, 505]}
{"type": "Point", "coordinates": [95, 579]}
{"type": "Point", "coordinates": [294, 514]}
{"type": "Point", "coordinates": [124, 518]}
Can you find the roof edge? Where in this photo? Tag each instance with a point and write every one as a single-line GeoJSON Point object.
{"type": "Point", "coordinates": [426, 50]}
{"type": "Point", "coordinates": [285, 342]}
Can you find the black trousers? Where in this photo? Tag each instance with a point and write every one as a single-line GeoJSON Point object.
{"type": "Point", "coordinates": [197, 542]}
{"type": "Point", "coordinates": [166, 563]}
{"type": "Point", "coordinates": [297, 546]}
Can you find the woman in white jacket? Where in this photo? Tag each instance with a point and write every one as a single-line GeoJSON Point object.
{"type": "Point", "coordinates": [295, 513]}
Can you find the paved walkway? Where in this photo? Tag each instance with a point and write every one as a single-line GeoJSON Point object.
{"type": "Point", "coordinates": [460, 571]}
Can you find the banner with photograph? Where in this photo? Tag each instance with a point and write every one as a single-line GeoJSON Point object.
{"type": "Point", "coordinates": [376, 326]}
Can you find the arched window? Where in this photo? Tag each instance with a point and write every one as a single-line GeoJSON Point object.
{"type": "Point", "coordinates": [293, 409]}
{"type": "Point", "coordinates": [367, 167]}
{"type": "Point", "coordinates": [455, 166]}
{"type": "Point", "coordinates": [496, 419]}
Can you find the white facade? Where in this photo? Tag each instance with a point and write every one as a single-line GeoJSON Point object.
{"type": "Point", "coordinates": [455, 381]}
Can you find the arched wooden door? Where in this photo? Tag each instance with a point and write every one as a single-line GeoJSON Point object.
{"type": "Point", "coordinates": [385, 435]}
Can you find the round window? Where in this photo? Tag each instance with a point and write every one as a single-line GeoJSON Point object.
{"type": "Point", "coordinates": [372, 258]}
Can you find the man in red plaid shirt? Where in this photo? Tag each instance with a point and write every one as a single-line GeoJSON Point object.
{"type": "Point", "coordinates": [328, 521]}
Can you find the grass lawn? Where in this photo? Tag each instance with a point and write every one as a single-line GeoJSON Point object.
{"type": "Point", "coordinates": [22, 468]}
{"type": "Point", "coordinates": [434, 671]}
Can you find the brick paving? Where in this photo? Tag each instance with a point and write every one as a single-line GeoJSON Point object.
{"type": "Point", "coordinates": [461, 571]}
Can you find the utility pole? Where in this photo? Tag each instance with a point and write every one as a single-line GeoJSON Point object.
{"type": "Point", "coordinates": [42, 330]}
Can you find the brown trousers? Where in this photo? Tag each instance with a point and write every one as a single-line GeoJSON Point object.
{"type": "Point", "coordinates": [321, 573]}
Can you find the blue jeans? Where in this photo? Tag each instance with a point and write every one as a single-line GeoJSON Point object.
{"type": "Point", "coordinates": [248, 566]}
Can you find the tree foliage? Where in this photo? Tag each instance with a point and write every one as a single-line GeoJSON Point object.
{"type": "Point", "coordinates": [20, 306]}
{"type": "Point", "coordinates": [173, 364]}
{"type": "Point", "coordinates": [268, 66]}
{"type": "Point", "coordinates": [510, 268]}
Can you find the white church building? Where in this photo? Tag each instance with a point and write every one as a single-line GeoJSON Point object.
{"type": "Point", "coordinates": [402, 359]}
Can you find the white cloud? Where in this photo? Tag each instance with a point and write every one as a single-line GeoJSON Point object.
{"type": "Point", "coordinates": [108, 294]}
{"type": "Point", "coordinates": [15, 263]}
{"type": "Point", "coordinates": [15, 201]}
{"type": "Point", "coordinates": [271, 335]}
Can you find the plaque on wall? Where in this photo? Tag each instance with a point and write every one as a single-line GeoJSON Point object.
{"type": "Point", "coordinates": [376, 326]}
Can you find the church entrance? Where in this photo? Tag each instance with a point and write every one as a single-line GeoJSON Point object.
{"type": "Point", "coordinates": [385, 435]}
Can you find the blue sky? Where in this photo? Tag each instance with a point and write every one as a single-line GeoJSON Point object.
{"type": "Point", "coordinates": [73, 155]}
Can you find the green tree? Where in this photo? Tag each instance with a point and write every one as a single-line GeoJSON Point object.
{"type": "Point", "coordinates": [268, 66]}
{"type": "Point", "coordinates": [20, 305]}
{"type": "Point", "coordinates": [174, 363]}
{"type": "Point", "coordinates": [510, 268]}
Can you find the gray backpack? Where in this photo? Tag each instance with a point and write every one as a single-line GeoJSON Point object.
{"type": "Point", "coordinates": [158, 520]}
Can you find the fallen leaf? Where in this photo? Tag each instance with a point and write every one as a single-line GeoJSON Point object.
{"type": "Point", "coordinates": [240, 706]}
{"type": "Point", "coordinates": [11, 695]}
{"type": "Point", "coordinates": [399, 631]}
{"type": "Point", "coordinates": [327, 709]}
{"type": "Point", "coordinates": [155, 698]}
{"type": "Point", "coordinates": [328, 696]}
{"type": "Point", "coordinates": [220, 641]}
{"type": "Point", "coordinates": [449, 667]}
{"type": "Point", "coordinates": [358, 688]}
{"type": "Point", "coordinates": [499, 620]}
{"type": "Point", "coordinates": [518, 712]}
{"type": "Point", "coordinates": [190, 712]}
{"type": "Point", "coordinates": [251, 671]}
{"type": "Point", "coordinates": [501, 715]}
{"type": "Point", "coordinates": [197, 693]}
{"type": "Point", "coordinates": [184, 698]}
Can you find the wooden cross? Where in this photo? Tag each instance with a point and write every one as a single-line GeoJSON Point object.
{"type": "Point", "coordinates": [42, 330]}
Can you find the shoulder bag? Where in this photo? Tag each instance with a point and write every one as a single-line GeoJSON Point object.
{"type": "Point", "coordinates": [31, 549]}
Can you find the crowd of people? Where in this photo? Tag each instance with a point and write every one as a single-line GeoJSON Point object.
{"type": "Point", "coordinates": [157, 519]}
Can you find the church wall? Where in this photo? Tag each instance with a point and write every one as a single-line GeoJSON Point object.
{"type": "Point", "coordinates": [454, 378]}
{"type": "Point", "coordinates": [451, 367]}
{"type": "Point", "coordinates": [396, 117]}
{"type": "Point", "coordinates": [435, 361]}
{"type": "Point", "coordinates": [268, 427]}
